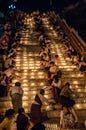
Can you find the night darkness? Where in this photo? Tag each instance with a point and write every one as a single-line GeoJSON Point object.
{"type": "Point", "coordinates": [74, 11]}
{"type": "Point", "coordinates": [42, 5]}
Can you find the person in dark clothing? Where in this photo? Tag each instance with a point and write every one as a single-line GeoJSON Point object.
{"type": "Point", "coordinates": [66, 96]}
{"type": "Point", "coordinates": [35, 112]}
{"type": "Point", "coordinates": [38, 126]}
{"type": "Point", "coordinates": [22, 120]}
{"type": "Point", "coordinates": [56, 88]}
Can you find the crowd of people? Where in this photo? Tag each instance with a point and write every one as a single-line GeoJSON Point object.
{"type": "Point", "coordinates": [9, 36]}
{"type": "Point", "coordinates": [61, 92]}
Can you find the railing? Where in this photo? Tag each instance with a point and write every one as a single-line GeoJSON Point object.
{"type": "Point", "coordinates": [65, 26]}
{"type": "Point", "coordinates": [77, 43]}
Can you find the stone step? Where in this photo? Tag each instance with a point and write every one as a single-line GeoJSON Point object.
{"type": "Point", "coordinates": [53, 124]}
{"type": "Point", "coordinates": [81, 113]}
{"type": "Point", "coordinates": [32, 82]}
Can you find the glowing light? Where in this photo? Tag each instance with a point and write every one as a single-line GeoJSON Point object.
{"type": "Point", "coordinates": [25, 84]}
{"type": "Point", "coordinates": [41, 84]}
{"type": "Point", "coordinates": [32, 77]}
{"type": "Point", "coordinates": [24, 80]}
{"type": "Point", "coordinates": [32, 84]}
{"type": "Point", "coordinates": [40, 73]}
{"type": "Point", "coordinates": [75, 82]}
{"type": "Point", "coordinates": [25, 74]}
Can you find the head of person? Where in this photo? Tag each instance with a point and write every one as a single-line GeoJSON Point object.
{"type": "Point", "coordinates": [65, 109]}
{"type": "Point", "coordinates": [52, 63]}
{"type": "Point", "coordinates": [11, 67]}
{"type": "Point", "coordinates": [59, 73]}
{"type": "Point", "coordinates": [44, 54]}
{"type": "Point", "coordinates": [9, 113]}
{"type": "Point", "coordinates": [42, 91]}
{"type": "Point", "coordinates": [67, 84]}
{"type": "Point", "coordinates": [21, 110]}
{"type": "Point", "coordinates": [18, 84]}
{"type": "Point", "coordinates": [56, 56]}
{"type": "Point", "coordinates": [38, 126]}
{"type": "Point", "coordinates": [56, 79]}
{"type": "Point", "coordinates": [3, 76]}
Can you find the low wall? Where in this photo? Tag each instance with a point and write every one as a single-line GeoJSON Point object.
{"type": "Point", "coordinates": [78, 44]}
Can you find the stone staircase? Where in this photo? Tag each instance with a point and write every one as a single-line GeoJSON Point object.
{"type": "Point", "coordinates": [33, 77]}
{"type": "Point", "coordinates": [70, 74]}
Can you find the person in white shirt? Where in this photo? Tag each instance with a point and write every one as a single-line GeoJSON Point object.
{"type": "Point", "coordinates": [16, 93]}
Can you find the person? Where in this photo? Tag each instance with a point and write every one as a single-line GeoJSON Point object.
{"type": "Point", "coordinates": [82, 66]}
{"type": "Point", "coordinates": [3, 86]}
{"type": "Point", "coordinates": [85, 123]}
{"type": "Point", "coordinates": [7, 121]}
{"type": "Point", "coordinates": [22, 121]}
{"type": "Point", "coordinates": [16, 93]}
{"type": "Point", "coordinates": [56, 88]}
{"type": "Point", "coordinates": [9, 62]}
{"type": "Point", "coordinates": [53, 69]}
{"type": "Point", "coordinates": [68, 118]}
{"type": "Point", "coordinates": [38, 126]}
{"type": "Point", "coordinates": [65, 98]}
{"type": "Point", "coordinates": [56, 60]}
{"type": "Point", "coordinates": [35, 112]}
{"type": "Point", "coordinates": [10, 73]}
{"type": "Point", "coordinates": [45, 61]}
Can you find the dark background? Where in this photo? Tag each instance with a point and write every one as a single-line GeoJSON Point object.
{"type": "Point", "coordinates": [43, 5]}
{"type": "Point", "coordinates": [74, 11]}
